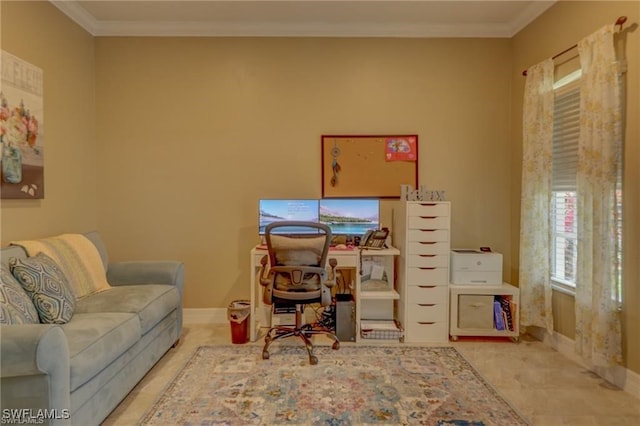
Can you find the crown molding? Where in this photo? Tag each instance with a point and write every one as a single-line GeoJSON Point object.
{"type": "Point", "coordinates": [532, 11]}
{"type": "Point", "coordinates": [289, 29]}
{"type": "Point", "coordinates": [78, 14]}
{"type": "Point", "coordinates": [296, 29]}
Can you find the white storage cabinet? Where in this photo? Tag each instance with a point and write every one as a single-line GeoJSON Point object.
{"type": "Point", "coordinates": [422, 233]}
{"type": "Point", "coordinates": [472, 310]}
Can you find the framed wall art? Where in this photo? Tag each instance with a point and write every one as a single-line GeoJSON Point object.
{"type": "Point", "coordinates": [371, 166]}
{"type": "Point", "coordinates": [21, 129]}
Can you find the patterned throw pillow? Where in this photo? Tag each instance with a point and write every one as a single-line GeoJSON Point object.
{"type": "Point", "coordinates": [16, 306]}
{"type": "Point", "coordinates": [43, 280]}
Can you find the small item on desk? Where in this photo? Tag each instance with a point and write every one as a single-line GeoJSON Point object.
{"type": "Point", "coordinates": [365, 268]}
{"type": "Point", "coordinates": [338, 239]}
{"type": "Point", "coordinates": [485, 249]}
{"type": "Point", "coordinates": [377, 272]}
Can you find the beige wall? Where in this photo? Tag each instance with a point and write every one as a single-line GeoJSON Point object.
{"type": "Point", "coordinates": [560, 27]}
{"type": "Point", "coordinates": [193, 131]}
{"type": "Point", "coordinates": [38, 33]}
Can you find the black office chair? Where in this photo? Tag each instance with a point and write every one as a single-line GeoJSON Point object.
{"type": "Point", "coordinates": [295, 274]}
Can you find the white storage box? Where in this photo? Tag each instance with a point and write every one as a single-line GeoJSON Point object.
{"type": "Point", "coordinates": [475, 267]}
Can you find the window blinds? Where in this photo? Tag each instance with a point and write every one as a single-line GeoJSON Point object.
{"type": "Point", "coordinates": [566, 131]}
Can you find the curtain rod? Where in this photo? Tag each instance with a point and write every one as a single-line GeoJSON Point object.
{"type": "Point", "coordinates": [619, 22]}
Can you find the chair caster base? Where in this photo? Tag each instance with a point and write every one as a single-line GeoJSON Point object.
{"type": "Point", "coordinates": [335, 346]}
{"type": "Point", "coordinates": [265, 354]}
{"type": "Point", "coordinates": [313, 360]}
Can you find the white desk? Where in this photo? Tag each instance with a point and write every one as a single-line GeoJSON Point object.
{"type": "Point", "coordinates": [347, 258]}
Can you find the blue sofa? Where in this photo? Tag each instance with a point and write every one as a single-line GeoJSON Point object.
{"type": "Point", "coordinates": [79, 372]}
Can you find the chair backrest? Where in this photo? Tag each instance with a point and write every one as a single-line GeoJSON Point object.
{"type": "Point", "coordinates": [297, 243]}
{"type": "Point", "coordinates": [297, 256]}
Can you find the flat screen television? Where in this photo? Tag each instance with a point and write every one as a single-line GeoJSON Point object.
{"type": "Point", "coordinates": [274, 210]}
{"type": "Point", "coordinates": [350, 216]}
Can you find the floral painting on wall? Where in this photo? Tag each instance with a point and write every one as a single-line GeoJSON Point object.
{"type": "Point", "coordinates": [21, 129]}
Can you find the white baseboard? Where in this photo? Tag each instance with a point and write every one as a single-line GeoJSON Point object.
{"type": "Point", "coordinates": [623, 378]}
{"type": "Point", "coordinates": [204, 316]}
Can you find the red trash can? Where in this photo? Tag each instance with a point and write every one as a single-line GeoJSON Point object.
{"type": "Point", "coordinates": [238, 314]}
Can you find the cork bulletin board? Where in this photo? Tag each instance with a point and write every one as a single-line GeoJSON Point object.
{"type": "Point", "coordinates": [368, 166]}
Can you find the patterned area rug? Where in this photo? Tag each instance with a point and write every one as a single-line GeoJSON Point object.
{"type": "Point", "coordinates": [355, 385]}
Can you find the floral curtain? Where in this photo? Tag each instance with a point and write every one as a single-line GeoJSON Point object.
{"type": "Point", "coordinates": [598, 329]}
{"type": "Point", "coordinates": [535, 226]}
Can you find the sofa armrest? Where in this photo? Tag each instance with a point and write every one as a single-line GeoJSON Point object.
{"type": "Point", "coordinates": [146, 272]}
{"type": "Point", "coordinates": [35, 368]}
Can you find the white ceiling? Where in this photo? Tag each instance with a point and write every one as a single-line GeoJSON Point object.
{"type": "Point", "coordinates": [320, 18]}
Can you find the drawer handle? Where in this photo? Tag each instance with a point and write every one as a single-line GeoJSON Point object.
{"type": "Point", "coordinates": [426, 268]}
{"type": "Point", "coordinates": [428, 204]}
{"type": "Point", "coordinates": [428, 217]}
{"type": "Point", "coordinates": [426, 304]}
{"type": "Point", "coordinates": [426, 242]}
{"type": "Point", "coordinates": [427, 255]}
{"type": "Point", "coordinates": [427, 230]}
{"type": "Point", "coordinates": [426, 322]}
{"type": "Point", "coordinates": [427, 286]}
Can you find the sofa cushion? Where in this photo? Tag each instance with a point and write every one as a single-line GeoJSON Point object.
{"type": "Point", "coordinates": [96, 340]}
{"type": "Point", "coordinates": [16, 306]}
{"type": "Point", "coordinates": [151, 302]}
{"type": "Point", "coordinates": [78, 258]}
{"type": "Point", "coordinates": [47, 286]}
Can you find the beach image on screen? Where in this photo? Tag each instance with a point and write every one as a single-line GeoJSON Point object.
{"type": "Point", "coordinates": [272, 210]}
{"type": "Point", "coordinates": [350, 216]}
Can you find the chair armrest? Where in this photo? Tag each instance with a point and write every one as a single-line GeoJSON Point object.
{"type": "Point", "coordinates": [146, 272]}
{"type": "Point", "coordinates": [35, 368]}
{"type": "Point", "coordinates": [330, 280]}
{"type": "Point", "coordinates": [265, 278]}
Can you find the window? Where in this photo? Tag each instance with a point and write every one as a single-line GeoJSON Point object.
{"type": "Point", "coordinates": [566, 131]}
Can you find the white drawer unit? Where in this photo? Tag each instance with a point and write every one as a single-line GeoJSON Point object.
{"type": "Point", "coordinates": [428, 235]}
{"type": "Point", "coordinates": [422, 233]}
{"type": "Point", "coordinates": [424, 222]}
{"type": "Point", "coordinates": [428, 209]}
{"type": "Point", "coordinates": [424, 331]}
{"type": "Point", "coordinates": [428, 247]}
{"type": "Point", "coordinates": [427, 260]}
{"type": "Point", "coordinates": [427, 293]}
